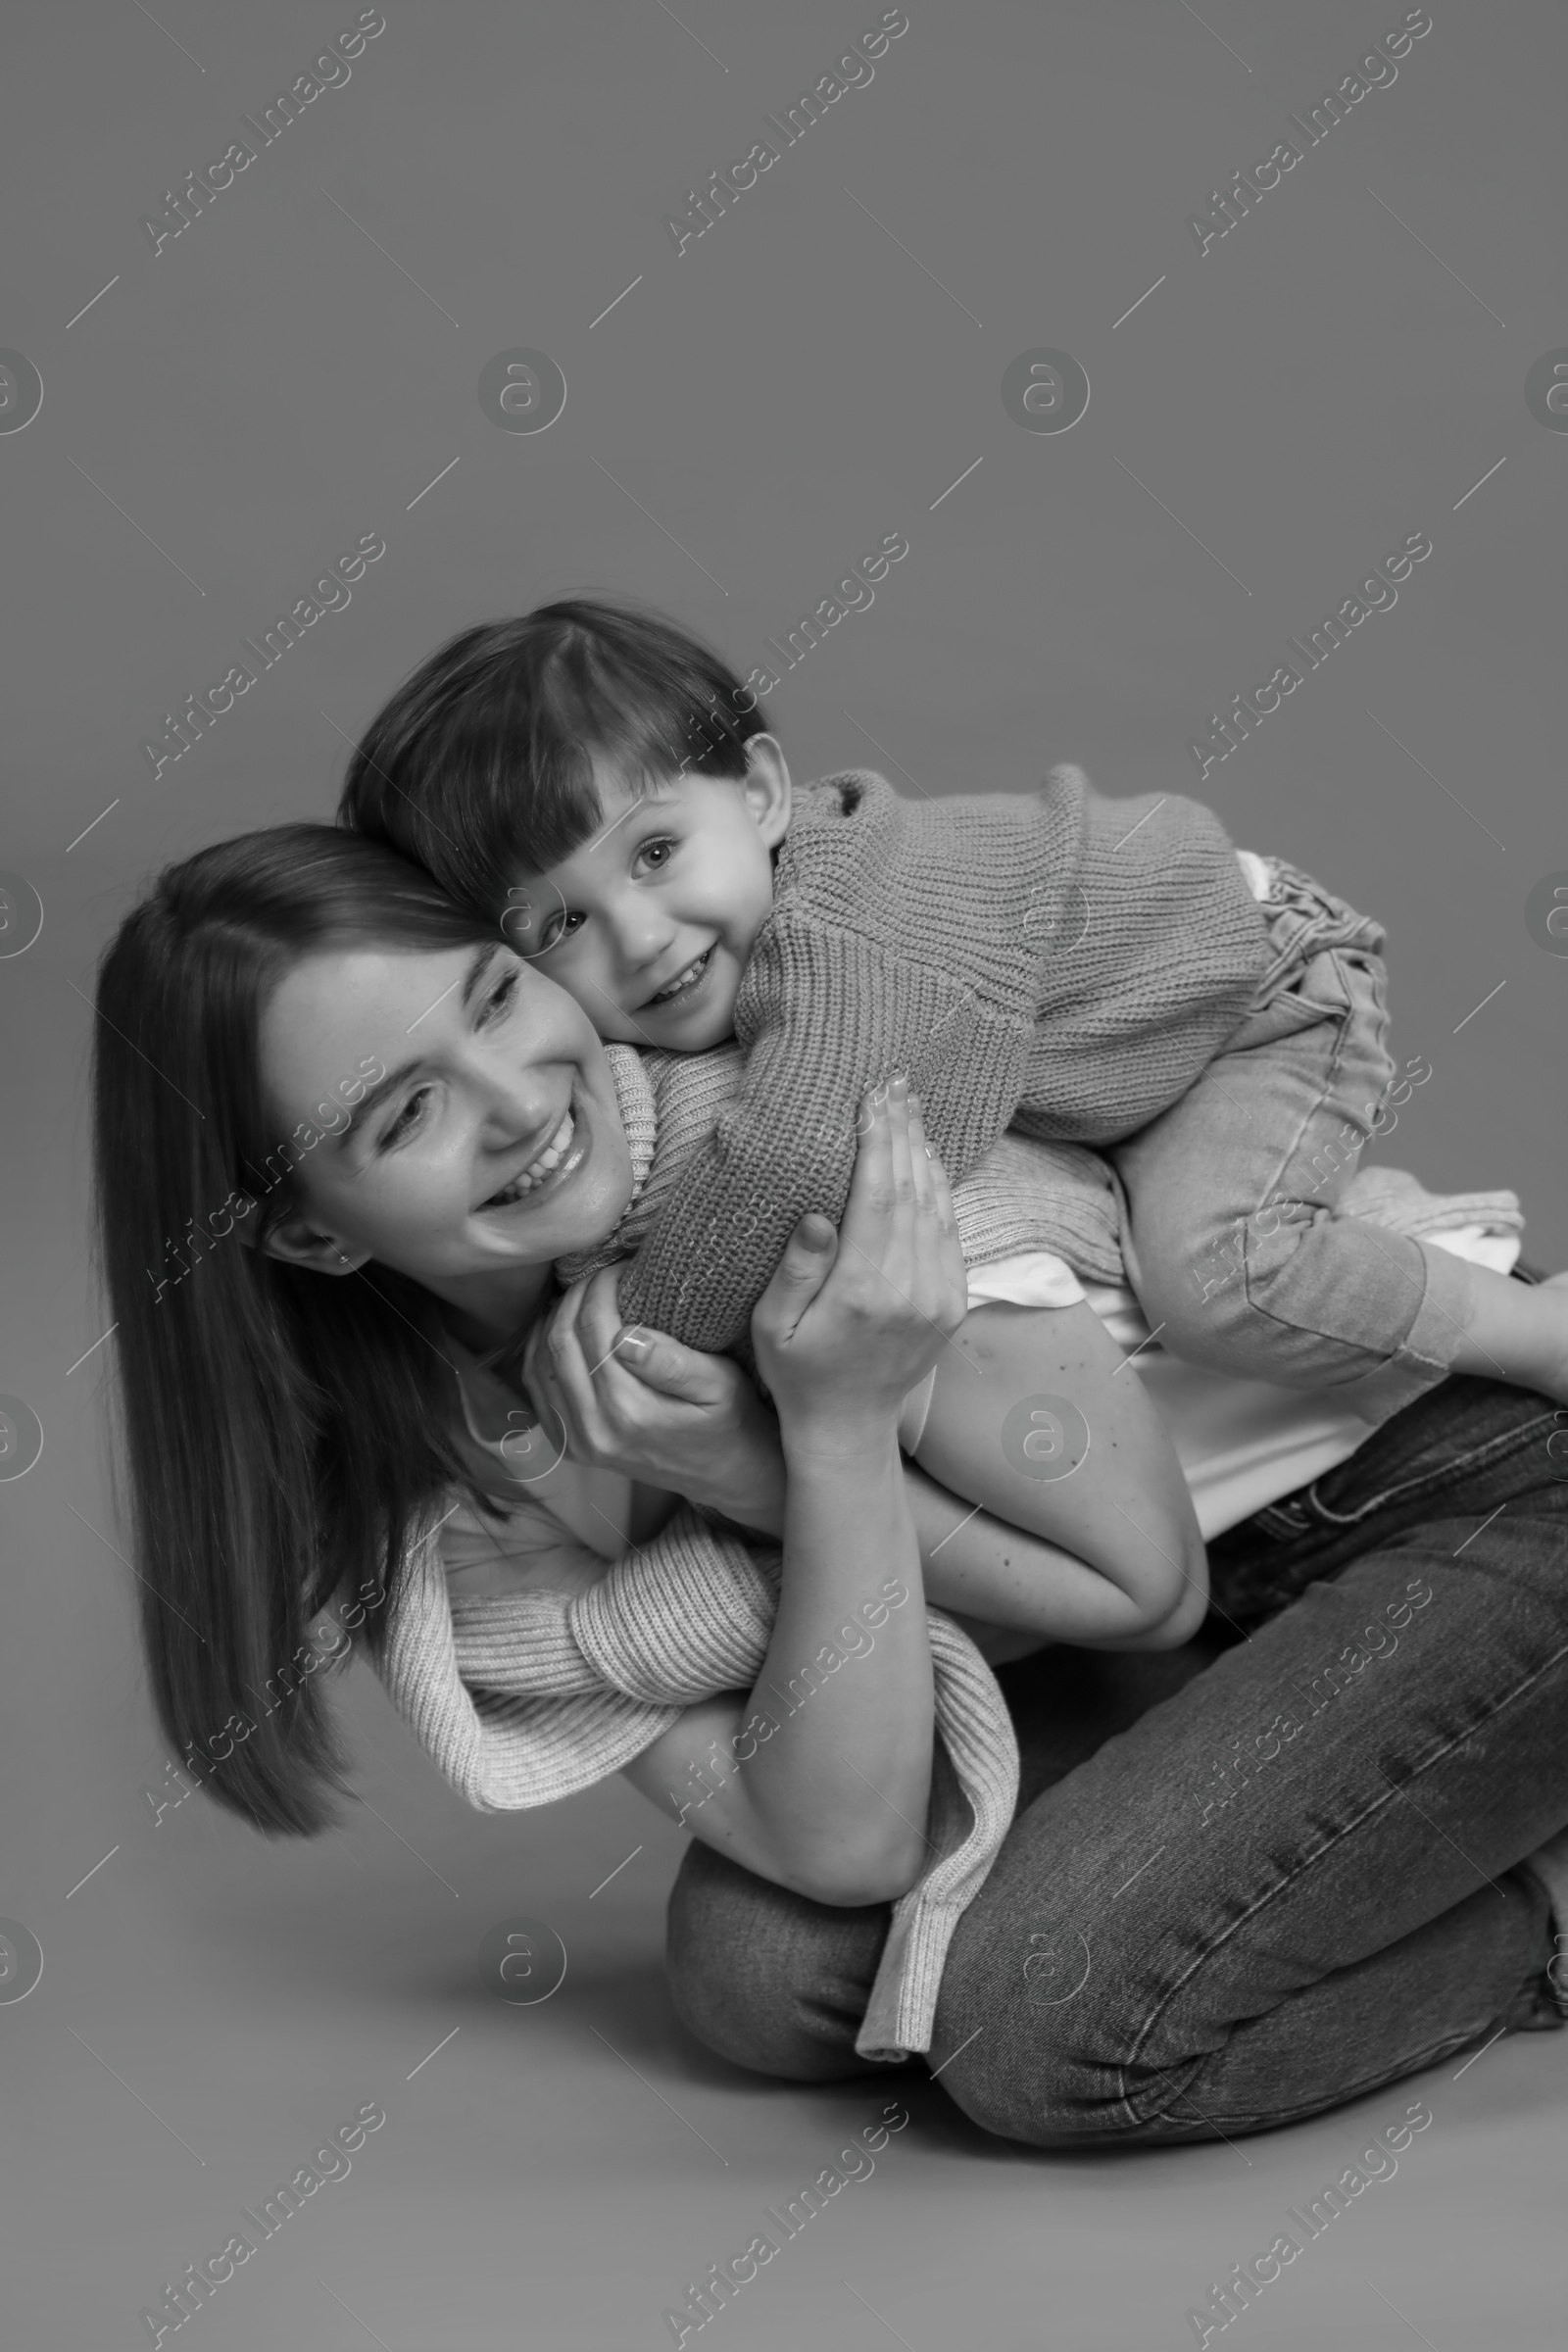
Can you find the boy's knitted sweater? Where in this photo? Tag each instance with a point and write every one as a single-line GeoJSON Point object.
{"type": "Point", "coordinates": [1051, 959]}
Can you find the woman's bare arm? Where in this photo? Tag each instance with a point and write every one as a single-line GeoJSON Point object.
{"type": "Point", "coordinates": [1113, 1560]}
{"type": "Point", "coordinates": [1107, 1558]}
{"type": "Point", "coordinates": [819, 1776]}
{"type": "Point", "coordinates": [1089, 1534]}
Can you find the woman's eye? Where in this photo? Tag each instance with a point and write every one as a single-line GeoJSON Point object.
{"type": "Point", "coordinates": [407, 1120]}
{"type": "Point", "coordinates": [501, 998]}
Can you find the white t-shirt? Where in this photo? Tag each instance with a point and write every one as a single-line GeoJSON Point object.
{"type": "Point", "coordinates": [1241, 1442]}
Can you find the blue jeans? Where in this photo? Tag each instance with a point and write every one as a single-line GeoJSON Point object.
{"type": "Point", "coordinates": [1229, 1239]}
{"type": "Point", "coordinates": [1240, 1888]}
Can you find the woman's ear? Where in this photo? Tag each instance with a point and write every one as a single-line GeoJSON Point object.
{"type": "Point", "coordinates": [767, 788]}
{"type": "Point", "coordinates": [296, 1242]}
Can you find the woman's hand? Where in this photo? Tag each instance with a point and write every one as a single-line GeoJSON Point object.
{"type": "Point", "coordinates": [837, 1778]}
{"type": "Point", "coordinates": [852, 1321]}
{"type": "Point", "coordinates": [666, 1415]}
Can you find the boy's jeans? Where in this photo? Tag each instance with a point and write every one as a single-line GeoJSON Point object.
{"type": "Point", "coordinates": [1230, 1244]}
{"type": "Point", "coordinates": [1240, 1893]}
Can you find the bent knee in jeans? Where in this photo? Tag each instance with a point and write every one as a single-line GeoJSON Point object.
{"type": "Point", "coordinates": [767, 1978]}
{"type": "Point", "coordinates": [1234, 1248]}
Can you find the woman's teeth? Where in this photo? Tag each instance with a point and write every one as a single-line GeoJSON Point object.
{"type": "Point", "coordinates": [537, 1170]}
{"type": "Point", "coordinates": [693, 971]}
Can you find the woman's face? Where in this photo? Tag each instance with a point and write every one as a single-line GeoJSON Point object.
{"type": "Point", "coordinates": [491, 1144]}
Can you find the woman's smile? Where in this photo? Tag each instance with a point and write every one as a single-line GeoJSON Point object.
{"type": "Point", "coordinates": [562, 1155]}
{"type": "Point", "coordinates": [491, 1146]}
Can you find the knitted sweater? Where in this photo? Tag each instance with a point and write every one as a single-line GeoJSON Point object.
{"type": "Point", "coordinates": [1052, 960]}
{"type": "Point", "coordinates": [524, 1698]}
{"type": "Point", "coordinates": [1023, 1196]}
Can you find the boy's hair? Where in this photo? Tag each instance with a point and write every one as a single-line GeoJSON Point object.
{"type": "Point", "coordinates": [480, 766]}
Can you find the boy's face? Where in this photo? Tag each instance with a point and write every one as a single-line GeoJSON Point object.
{"type": "Point", "coordinates": [650, 925]}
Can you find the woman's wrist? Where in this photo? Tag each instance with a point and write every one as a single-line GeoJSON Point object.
{"type": "Point", "coordinates": [750, 1488]}
{"type": "Point", "coordinates": [863, 1440]}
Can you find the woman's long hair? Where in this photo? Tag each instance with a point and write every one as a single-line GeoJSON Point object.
{"type": "Point", "coordinates": [284, 1431]}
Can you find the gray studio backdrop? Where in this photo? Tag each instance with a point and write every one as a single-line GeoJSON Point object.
{"type": "Point", "coordinates": [510, 294]}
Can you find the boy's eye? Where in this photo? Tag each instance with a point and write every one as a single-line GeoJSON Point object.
{"type": "Point", "coordinates": [656, 853]}
{"type": "Point", "coordinates": [556, 928]}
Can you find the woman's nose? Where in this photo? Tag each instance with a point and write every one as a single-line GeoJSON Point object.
{"type": "Point", "coordinates": [515, 1102]}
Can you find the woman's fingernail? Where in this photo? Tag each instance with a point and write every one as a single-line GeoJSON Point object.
{"type": "Point", "coordinates": [899, 1086]}
{"type": "Point", "coordinates": [633, 1343]}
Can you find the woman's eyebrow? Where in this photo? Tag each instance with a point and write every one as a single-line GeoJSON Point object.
{"type": "Point", "coordinates": [477, 969]}
{"type": "Point", "coordinates": [478, 966]}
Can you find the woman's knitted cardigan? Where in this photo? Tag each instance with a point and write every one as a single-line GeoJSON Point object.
{"type": "Point", "coordinates": [521, 1699]}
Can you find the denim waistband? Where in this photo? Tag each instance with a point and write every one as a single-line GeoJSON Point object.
{"type": "Point", "coordinates": [1303, 919]}
{"type": "Point", "coordinates": [1458, 1433]}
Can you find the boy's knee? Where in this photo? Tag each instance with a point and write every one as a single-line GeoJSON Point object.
{"type": "Point", "coordinates": [766, 1978]}
{"type": "Point", "coordinates": [1200, 1305]}
{"type": "Point", "coordinates": [1223, 1303]}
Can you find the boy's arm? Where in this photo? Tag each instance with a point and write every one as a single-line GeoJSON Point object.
{"type": "Point", "coordinates": [825, 1015]}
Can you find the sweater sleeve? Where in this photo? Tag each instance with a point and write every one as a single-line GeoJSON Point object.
{"type": "Point", "coordinates": [825, 1015]}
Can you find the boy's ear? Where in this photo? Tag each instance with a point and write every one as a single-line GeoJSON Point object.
{"type": "Point", "coordinates": [768, 789]}
{"type": "Point", "coordinates": [296, 1242]}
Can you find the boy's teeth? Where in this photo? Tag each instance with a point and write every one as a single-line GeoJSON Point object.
{"type": "Point", "coordinates": [681, 978]}
{"type": "Point", "coordinates": [550, 1158]}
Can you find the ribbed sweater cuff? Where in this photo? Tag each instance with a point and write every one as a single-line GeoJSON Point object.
{"type": "Point", "coordinates": [900, 2015]}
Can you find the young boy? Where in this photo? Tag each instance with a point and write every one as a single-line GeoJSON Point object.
{"type": "Point", "coordinates": [1109, 973]}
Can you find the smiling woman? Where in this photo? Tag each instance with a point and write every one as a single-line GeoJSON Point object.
{"type": "Point", "coordinates": [472, 1164]}
{"type": "Point", "coordinates": [284, 1431]}
{"type": "Point", "coordinates": [334, 1401]}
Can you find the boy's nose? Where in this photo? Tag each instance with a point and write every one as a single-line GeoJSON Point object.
{"type": "Point", "coordinates": [641, 929]}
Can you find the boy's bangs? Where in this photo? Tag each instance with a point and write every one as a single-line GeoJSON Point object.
{"type": "Point", "coordinates": [486, 763]}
